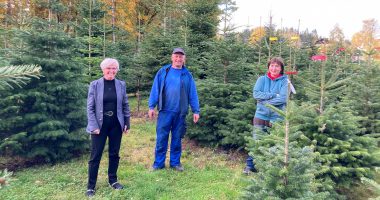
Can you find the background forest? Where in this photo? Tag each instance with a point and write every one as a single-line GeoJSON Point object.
{"type": "Point", "coordinates": [332, 122]}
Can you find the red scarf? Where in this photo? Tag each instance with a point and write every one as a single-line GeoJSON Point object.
{"type": "Point", "coordinates": [273, 77]}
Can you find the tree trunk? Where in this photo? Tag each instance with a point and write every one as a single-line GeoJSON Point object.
{"type": "Point", "coordinates": [113, 21]}
{"type": "Point", "coordinates": [104, 35]}
{"type": "Point", "coordinates": [322, 89]}
{"type": "Point", "coordinates": [138, 95]}
{"type": "Point", "coordinates": [225, 65]}
{"type": "Point", "coordinates": [89, 37]}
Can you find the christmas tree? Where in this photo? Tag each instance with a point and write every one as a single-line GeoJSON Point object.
{"type": "Point", "coordinates": [46, 118]}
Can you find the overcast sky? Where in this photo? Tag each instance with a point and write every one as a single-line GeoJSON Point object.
{"type": "Point", "coordinates": [321, 15]}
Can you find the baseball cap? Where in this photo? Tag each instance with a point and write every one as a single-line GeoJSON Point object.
{"type": "Point", "coordinates": [178, 50]}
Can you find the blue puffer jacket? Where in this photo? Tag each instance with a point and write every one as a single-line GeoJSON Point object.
{"type": "Point", "coordinates": [273, 92]}
{"type": "Point", "coordinates": [188, 91]}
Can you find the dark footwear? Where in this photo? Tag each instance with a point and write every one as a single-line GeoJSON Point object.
{"type": "Point", "coordinates": [117, 186]}
{"type": "Point", "coordinates": [178, 168]}
{"type": "Point", "coordinates": [90, 193]}
{"type": "Point", "coordinates": [248, 170]}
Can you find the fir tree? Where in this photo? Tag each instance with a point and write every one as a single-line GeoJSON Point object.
{"type": "Point", "coordinates": [227, 111]}
{"type": "Point", "coordinates": [331, 127]}
{"type": "Point", "coordinates": [363, 97]}
{"type": "Point", "coordinates": [285, 170]}
{"type": "Point", "coordinates": [93, 32]}
{"type": "Point", "coordinates": [46, 118]}
{"type": "Point", "coordinates": [227, 62]}
{"type": "Point", "coordinates": [202, 21]}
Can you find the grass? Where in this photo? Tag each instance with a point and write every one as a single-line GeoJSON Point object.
{"type": "Point", "coordinates": [208, 174]}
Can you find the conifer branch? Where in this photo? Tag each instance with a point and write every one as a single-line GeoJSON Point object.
{"type": "Point", "coordinates": [18, 75]}
{"type": "Point", "coordinates": [337, 83]}
{"type": "Point", "coordinates": [279, 111]}
{"type": "Point", "coordinates": [308, 83]}
{"type": "Point", "coordinates": [373, 184]}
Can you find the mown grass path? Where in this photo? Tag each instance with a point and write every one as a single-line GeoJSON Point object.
{"type": "Point", "coordinates": [209, 174]}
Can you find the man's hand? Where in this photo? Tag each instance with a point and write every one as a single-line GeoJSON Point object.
{"type": "Point", "coordinates": [195, 118]}
{"type": "Point", "coordinates": [151, 113]}
{"type": "Point", "coordinates": [96, 131]}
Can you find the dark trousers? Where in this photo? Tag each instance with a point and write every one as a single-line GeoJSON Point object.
{"type": "Point", "coordinates": [111, 129]}
{"type": "Point", "coordinates": [176, 124]}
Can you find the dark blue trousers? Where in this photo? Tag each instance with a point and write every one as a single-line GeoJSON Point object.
{"type": "Point", "coordinates": [176, 124]}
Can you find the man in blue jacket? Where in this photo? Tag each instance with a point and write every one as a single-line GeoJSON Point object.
{"type": "Point", "coordinates": [172, 92]}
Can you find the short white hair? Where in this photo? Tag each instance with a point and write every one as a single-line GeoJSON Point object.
{"type": "Point", "coordinates": [109, 61]}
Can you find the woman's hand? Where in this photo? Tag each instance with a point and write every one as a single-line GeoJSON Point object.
{"type": "Point", "coordinates": [125, 130]}
{"type": "Point", "coordinates": [96, 131]}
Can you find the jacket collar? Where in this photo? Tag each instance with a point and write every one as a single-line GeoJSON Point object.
{"type": "Point", "coordinates": [168, 66]}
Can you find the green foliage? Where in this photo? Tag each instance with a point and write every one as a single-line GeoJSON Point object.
{"type": "Point", "coordinates": [226, 114]}
{"type": "Point", "coordinates": [276, 179]}
{"type": "Point", "coordinates": [324, 83]}
{"type": "Point", "coordinates": [202, 21]}
{"type": "Point", "coordinates": [17, 75]}
{"type": "Point", "coordinates": [363, 97]}
{"type": "Point", "coordinates": [207, 175]}
{"type": "Point", "coordinates": [46, 118]}
{"type": "Point", "coordinates": [344, 154]}
{"type": "Point", "coordinates": [227, 62]}
{"type": "Point", "coordinates": [373, 184]}
{"type": "Point", "coordinates": [92, 31]}
{"type": "Point", "coordinates": [332, 128]}
{"type": "Point", "coordinates": [92, 18]}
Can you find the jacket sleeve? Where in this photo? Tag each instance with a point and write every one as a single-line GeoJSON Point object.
{"type": "Point", "coordinates": [126, 111]}
{"type": "Point", "coordinates": [258, 92]}
{"type": "Point", "coordinates": [155, 92]}
{"type": "Point", "coordinates": [91, 116]}
{"type": "Point", "coordinates": [281, 97]}
{"type": "Point", "coordinates": [193, 97]}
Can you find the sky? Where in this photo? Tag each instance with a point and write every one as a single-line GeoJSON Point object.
{"type": "Point", "coordinates": [321, 15]}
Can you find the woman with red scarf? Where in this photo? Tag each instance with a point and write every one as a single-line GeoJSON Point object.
{"type": "Point", "coordinates": [271, 88]}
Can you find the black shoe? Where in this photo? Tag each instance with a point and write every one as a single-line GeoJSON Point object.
{"type": "Point", "coordinates": [90, 193]}
{"type": "Point", "coordinates": [248, 170]}
{"type": "Point", "coordinates": [178, 168]}
{"type": "Point", "coordinates": [117, 186]}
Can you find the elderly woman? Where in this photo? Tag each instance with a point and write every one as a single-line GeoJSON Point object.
{"type": "Point", "coordinates": [272, 89]}
{"type": "Point", "coordinates": [108, 116]}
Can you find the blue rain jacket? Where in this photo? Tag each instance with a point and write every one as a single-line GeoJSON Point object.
{"type": "Point", "coordinates": [188, 91]}
{"type": "Point", "coordinates": [273, 92]}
